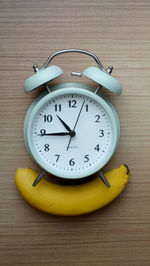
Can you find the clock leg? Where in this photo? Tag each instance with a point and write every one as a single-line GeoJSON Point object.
{"type": "Point", "coordinates": [103, 178]}
{"type": "Point", "coordinates": [39, 177]}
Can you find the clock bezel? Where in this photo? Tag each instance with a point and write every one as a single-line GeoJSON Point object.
{"type": "Point", "coordinates": [70, 90]}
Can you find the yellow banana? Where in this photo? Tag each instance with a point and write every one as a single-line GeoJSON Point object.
{"type": "Point", "coordinates": [71, 200]}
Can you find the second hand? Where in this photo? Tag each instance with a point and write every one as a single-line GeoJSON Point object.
{"type": "Point", "coordinates": [76, 123]}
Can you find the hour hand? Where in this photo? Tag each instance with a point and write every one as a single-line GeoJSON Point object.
{"type": "Point", "coordinates": [65, 125]}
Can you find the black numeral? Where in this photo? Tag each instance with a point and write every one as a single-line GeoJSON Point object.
{"type": "Point", "coordinates": [57, 107]}
{"type": "Point", "coordinates": [72, 103]}
{"type": "Point", "coordinates": [48, 118]}
{"type": "Point", "coordinates": [97, 118]}
{"type": "Point", "coordinates": [72, 162]}
{"type": "Point", "coordinates": [86, 158]}
{"type": "Point", "coordinates": [57, 157]}
{"type": "Point", "coordinates": [86, 108]}
{"type": "Point", "coordinates": [101, 131]}
{"type": "Point", "coordinates": [43, 131]}
{"type": "Point", "coordinates": [46, 147]}
{"type": "Point", "coordinates": [97, 148]}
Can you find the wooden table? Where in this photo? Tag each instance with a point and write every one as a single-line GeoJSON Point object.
{"type": "Point", "coordinates": [118, 32]}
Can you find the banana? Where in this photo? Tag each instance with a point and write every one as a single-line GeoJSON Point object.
{"type": "Point", "coordinates": [71, 200]}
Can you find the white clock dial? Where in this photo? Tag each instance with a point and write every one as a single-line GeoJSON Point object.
{"type": "Point", "coordinates": [77, 153]}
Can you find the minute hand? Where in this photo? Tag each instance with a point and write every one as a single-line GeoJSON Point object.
{"type": "Point", "coordinates": [55, 134]}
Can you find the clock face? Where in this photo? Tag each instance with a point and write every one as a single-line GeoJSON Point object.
{"type": "Point", "coordinates": [71, 134]}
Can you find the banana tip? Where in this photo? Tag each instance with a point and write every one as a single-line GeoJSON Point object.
{"type": "Point", "coordinates": [128, 171]}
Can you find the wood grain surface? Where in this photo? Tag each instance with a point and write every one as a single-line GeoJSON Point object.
{"type": "Point", "coordinates": [118, 32]}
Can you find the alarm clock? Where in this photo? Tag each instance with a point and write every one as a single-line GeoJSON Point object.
{"type": "Point", "coordinates": [71, 130]}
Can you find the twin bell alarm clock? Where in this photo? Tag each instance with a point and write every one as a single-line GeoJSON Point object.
{"type": "Point", "coordinates": [71, 130]}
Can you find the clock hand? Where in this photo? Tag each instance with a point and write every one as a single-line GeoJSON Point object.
{"type": "Point", "coordinates": [69, 143]}
{"type": "Point", "coordinates": [71, 133]}
{"type": "Point", "coordinates": [76, 123]}
{"type": "Point", "coordinates": [55, 134]}
{"type": "Point", "coordinates": [79, 115]}
{"type": "Point", "coordinates": [65, 125]}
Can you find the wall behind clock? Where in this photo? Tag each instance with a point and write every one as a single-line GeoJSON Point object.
{"type": "Point", "coordinates": [118, 32]}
